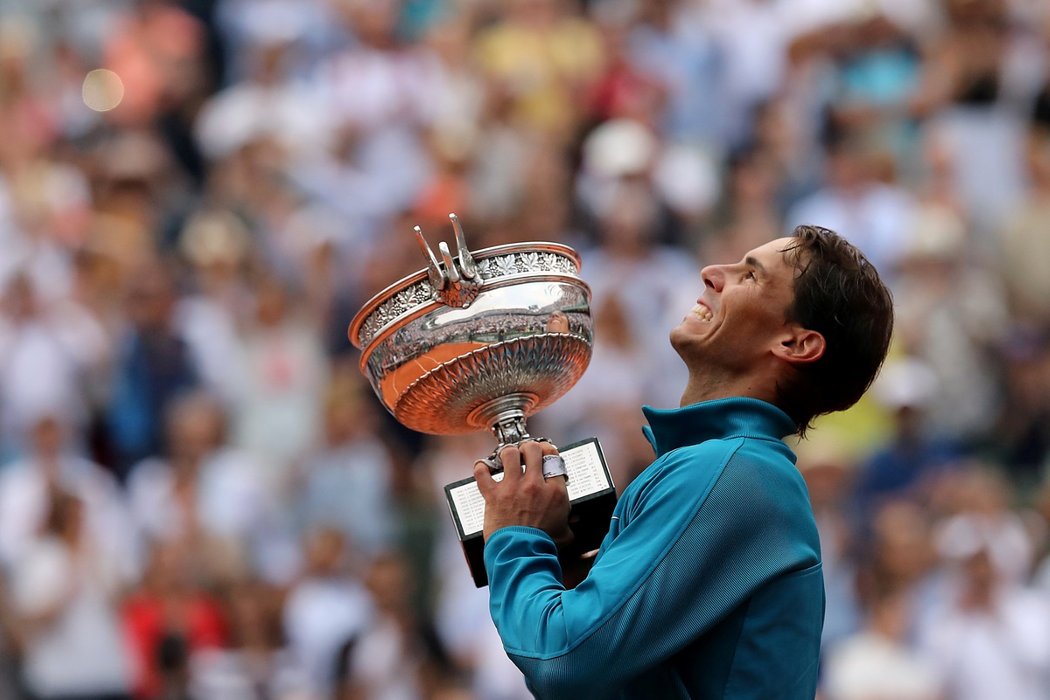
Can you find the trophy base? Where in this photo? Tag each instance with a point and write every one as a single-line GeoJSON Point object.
{"type": "Point", "coordinates": [592, 496]}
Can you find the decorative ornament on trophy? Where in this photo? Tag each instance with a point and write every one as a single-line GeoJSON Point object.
{"type": "Point", "coordinates": [483, 340]}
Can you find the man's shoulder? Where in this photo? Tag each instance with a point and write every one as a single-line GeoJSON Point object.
{"type": "Point", "coordinates": [683, 477]}
{"type": "Point", "coordinates": [698, 461]}
{"type": "Point", "coordinates": [770, 461]}
{"type": "Point", "coordinates": [680, 478]}
{"type": "Point", "coordinates": [766, 457]}
{"type": "Point", "coordinates": [760, 471]}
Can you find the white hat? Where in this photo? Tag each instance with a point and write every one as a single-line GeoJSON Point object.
{"type": "Point", "coordinates": [905, 383]}
{"type": "Point", "coordinates": [618, 148]}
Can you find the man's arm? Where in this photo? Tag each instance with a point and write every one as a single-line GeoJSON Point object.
{"type": "Point", "coordinates": [698, 543]}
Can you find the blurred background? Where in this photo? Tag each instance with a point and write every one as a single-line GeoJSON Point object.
{"type": "Point", "coordinates": [201, 498]}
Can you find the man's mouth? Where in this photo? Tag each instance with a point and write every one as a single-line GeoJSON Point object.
{"type": "Point", "coordinates": [703, 313]}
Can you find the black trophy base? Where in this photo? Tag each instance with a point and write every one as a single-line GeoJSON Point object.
{"type": "Point", "coordinates": [592, 496]}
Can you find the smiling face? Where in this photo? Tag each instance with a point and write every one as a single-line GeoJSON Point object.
{"type": "Point", "coordinates": [802, 322]}
{"type": "Point", "coordinates": [740, 321]}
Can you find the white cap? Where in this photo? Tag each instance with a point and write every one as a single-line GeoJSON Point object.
{"type": "Point", "coordinates": [905, 383]}
{"type": "Point", "coordinates": [618, 148]}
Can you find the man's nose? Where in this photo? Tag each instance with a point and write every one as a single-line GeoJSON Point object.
{"type": "Point", "coordinates": [713, 277]}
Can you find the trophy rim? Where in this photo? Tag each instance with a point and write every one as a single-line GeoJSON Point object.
{"type": "Point", "coordinates": [366, 310]}
{"type": "Point", "coordinates": [423, 309]}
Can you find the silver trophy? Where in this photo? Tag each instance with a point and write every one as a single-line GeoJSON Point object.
{"type": "Point", "coordinates": [483, 340]}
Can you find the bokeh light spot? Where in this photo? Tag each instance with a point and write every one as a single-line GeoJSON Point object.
{"type": "Point", "coordinates": [103, 90]}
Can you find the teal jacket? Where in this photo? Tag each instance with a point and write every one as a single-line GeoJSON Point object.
{"type": "Point", "coordinates": [708, 584]}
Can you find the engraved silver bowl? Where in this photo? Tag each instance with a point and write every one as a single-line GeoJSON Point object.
{"type": "Point", "coordinates": [478, 339]}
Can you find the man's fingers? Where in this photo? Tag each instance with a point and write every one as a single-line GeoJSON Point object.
{"type": "Point", "coordinates": [510, 456]}
{"type": "Point", "coordinates": [483, 477]}
{"type": "Point", "coordinates": [558, 482]}
{"type": "Point", "coordinates": [529, 453]}
{"type": "Point", "coordinates": [532, 455]}
{"type": "Point", "coordinates": [551, 464]}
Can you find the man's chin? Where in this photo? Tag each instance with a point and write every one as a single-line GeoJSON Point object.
{"type": "Point", "coordinates": [680, 340]}
{"type": "Point", "coordinates": [692, 348]}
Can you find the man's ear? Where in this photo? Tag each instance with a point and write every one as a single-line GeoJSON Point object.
{"type": "Point", "coordinates": [800, 346]}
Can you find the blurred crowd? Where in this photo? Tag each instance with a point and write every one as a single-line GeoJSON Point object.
{"type": "Point", "coordinates": [201, 498]}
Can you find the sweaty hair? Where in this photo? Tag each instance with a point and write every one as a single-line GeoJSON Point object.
{"type": "Point", "coordinates": [839, 294]}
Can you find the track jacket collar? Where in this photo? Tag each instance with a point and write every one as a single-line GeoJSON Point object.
{"type": "Point", "coordinates": [719, 419]}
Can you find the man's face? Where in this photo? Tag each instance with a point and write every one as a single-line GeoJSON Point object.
{"type": "Point", "coordinates": [741, 313]}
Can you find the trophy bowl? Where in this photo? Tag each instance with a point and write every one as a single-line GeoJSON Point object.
{"type": "Point", "coordinates": [478, 340]}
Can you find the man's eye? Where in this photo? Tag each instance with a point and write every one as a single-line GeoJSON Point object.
{"type": "Point", "coordinates": [751, 275]}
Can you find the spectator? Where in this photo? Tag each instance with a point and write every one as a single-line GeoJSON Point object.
{"type": "Point", "coordinates": [1024, 237]}
{"type": "Point", "coordinates": [347, 482]}
{"type": "Point", "coordinates": [64, 591]}
{"type": "Point", "coordinates": [397, 655]}
{"type": "Point", "coordinates": [984, 517]}
{"type": "Point", "coordinates": [990, 638]}
{"type": "Point", "coordinates": [276, 414]}
{"type": "Point", "coordinates": [1041, 577]}
{"type": "Point", "coordinates": [326, 611]}
{"type": "Point", "coordinates": [460, 611]}
{"type": "Point", "coordinates": [155, 48]}
{"type": "Point", "coordinates": [210, 497]}
{"type": "Point", "coordinates": [649, 280]}
{"type": "Point", "coordinates": [880, 662]}
{"type": "Point", "coordinates": [976, 67]}
{"type": "Point", "coordinates": [380, 93]}
{"type": "Point", "coordinates": [216, 244]}
{"type": "Point", "coordinates": [154, 365]}
{"type": "Point", "coordinates": [677, 47]}
{"type": "Point", "coordinates": [952, 333]}
{"type": "Point", "coordinates": [27, 488]}
{"type": "Point", "coordinates": [1023, 428]}
{"type": "Point", "coordinates": [45, 357]}
{"type": "Point", "coordinates": [829, 473]}
{"type": "Point", "coordinates": [546, 58]}
{"type": "Point", "coordinates": [267, 102]}
{"type": "Point", "coordinates": [908, 465]}
{"type": "Point", "coordinates": [10, 642]}
{"type": "Point", "coordinates": [257, 662]}
{"type": "Point", "coordinates": [168, 618]}
{"type": "Point", "coordinates": [874, 215]}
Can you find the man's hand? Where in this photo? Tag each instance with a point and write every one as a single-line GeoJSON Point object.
{"type": "Point", "coordinates": [525, 498]}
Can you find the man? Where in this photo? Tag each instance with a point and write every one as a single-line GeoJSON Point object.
{"type": "Point", "coordinates": [709, 582]}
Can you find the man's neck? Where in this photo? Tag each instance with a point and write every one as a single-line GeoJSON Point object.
{"type": "Point", "coordinates": [708, 387]}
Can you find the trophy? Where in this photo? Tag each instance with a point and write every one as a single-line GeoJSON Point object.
{"type": "Point", "coordinates": [483, 340]}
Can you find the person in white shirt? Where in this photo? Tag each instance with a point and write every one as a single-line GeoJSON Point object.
{"type": "Point", "coordinates": [64, 592]}
{"type": "Point", "coordinates": [880, 662]}
{"type": "Point", "coordinates": [210, 494]}
{"type": "Point", "coordinates": [45, 353]}
{"type": "Point", "coordinates": [326, 611]}
{"type": "Point", "coordinates": [991, 637]}
{"type": "Point", "coordinates": [26, 486]}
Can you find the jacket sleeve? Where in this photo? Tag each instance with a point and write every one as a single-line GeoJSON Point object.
{"type": "Point", "coordinates": [698, 543]}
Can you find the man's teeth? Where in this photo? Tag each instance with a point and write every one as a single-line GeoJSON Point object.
{"type": "Point", "coordinates": [702, 312]}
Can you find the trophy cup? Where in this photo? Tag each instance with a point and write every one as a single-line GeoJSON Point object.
{"type": "Point", "coordinates": [483, 340]}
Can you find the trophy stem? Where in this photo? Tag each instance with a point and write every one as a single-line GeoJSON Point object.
{"type": "Point", "coordinates": [505, 417]}
{"type": "Point", "coordinates": [510, 429]}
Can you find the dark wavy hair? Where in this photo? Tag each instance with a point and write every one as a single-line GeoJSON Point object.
{"type": "Point", "coordinates": [839, 294]}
